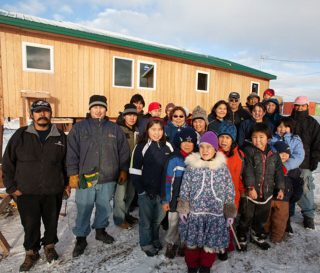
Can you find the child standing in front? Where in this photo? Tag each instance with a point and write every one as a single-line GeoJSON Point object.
{"type": "Point", "coordinates": [206, 205]}
{"type": "Point", "coordinates": [185, 142]}
{"type": "Point", "coordinates": [146, 168]}
{"type": "Point", "coordinates": [262, 175]}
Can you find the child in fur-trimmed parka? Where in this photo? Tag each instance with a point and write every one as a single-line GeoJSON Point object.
{"type": "Point", "coordinates": [185, 142]}
{"type": "Point", "coordinates": [206, 205]}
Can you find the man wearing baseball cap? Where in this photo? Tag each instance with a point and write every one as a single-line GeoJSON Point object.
{"type": "Point", "coordinates": [309, 131]}
{"type": "Point", "coordinates": [34, 171]}
{"type": "Point", "coordinates": [238, 114]}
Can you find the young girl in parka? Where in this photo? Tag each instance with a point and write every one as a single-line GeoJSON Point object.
{"type": "Point", "coordinates": [206, 205]}
{"type": "Point", "coordinates": [185, 143]}
{"type": "Point", "coordinates": [146, 168]}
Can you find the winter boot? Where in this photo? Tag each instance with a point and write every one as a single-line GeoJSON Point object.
{"type": "Point", "coordinates": [289, 228]}
{"type": "Point", "coordinates": [80, 246]}
{"type": "Point", "coordinates": [150, 250]}
{"type": "Point", "coordinates": [242, 242]}
{"type": "Point", "coordinates": [50, 253]}
{"type": "Point", "coordinates": [180, 251]}
{"type": "Point", "coordinates": [204, 269]}
{"type": "Point", "coordinates": [193, 269]}
{"type": "Point", "coordinates": [308, 222]}
{"type": "Point", "coordinates": [125, 225]}
{"type": "Point", "coordinates": [259, 240]}
{"type": "Point", "coordinates": [102, 235]}
{"type": "Point", "coordinates": [32, 256]}
{"type": "Point", "coordinates": [157, 245]}
{"type": "Point", "coordinates": [223, 256]}
{"type": "Point", "coordinates": [171, 251]}
{"type": "Point", "coordinates": [131, 219]}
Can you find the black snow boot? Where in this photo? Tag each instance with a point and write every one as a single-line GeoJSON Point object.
{"type": "Point", "coordinates": [80, 246]}
{"type": "Point", "coordinates": [289, 227]}
{"type": "Point", "coordinates": [193, 269]}
{"type": "Point", "coordinates": [204, 269]}
{"type": "Point", "coordinates": [242, 242]}
{"type": "Point", "coordinates": [259, 240]}
{"type": "Point", "coordinates": [308, 222]}
{"type": "Point", "coordinates": [102, 235]}
{"type": "Point", "coordinates": [223, 256]}
{"type": "Point", "coordinates": [131, 219]}
{"type": "Point", "coordinates": [171, 251]}
{"type": "Point", "coordinates": [32, 256]}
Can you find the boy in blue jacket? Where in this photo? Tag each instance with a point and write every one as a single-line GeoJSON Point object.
{"type": "Point", "coordinates": [185, 142]}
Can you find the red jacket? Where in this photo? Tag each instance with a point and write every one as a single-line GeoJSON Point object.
{"type": "Point", "coordinates": [235, 165]}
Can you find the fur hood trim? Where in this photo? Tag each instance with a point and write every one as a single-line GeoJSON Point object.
{"type": "Point", "coordinates": [194, 160]}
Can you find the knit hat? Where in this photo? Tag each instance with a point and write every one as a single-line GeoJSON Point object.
{"type": "Point", "coordinates": [269, 92]}
{"type": "Point", "coordinates": [228, 128]}
{"type": "Point", "coordinates": [98, 100]}
{"type": "Point", "coordinates": [129, 108]}
{"type": "Point", "coordinates": [273, 100]}
{"type": "Point", "coordinates": [154, 106]}
{"type": "Point", "coordinates": [301, 100]}
{"type": "Point", "coordinates": [282, 147]}
{"type": "Point", "coordinates": [169, 105]}
{"type": "Point", "coordinates": [40, 105]}
{"type": "Point", "coordinates": [210, 138]}
{"type": "Point", "coordinates": [185, 134]}
{"type": "Point", "coordinates": [199, 112]}
{"type": "Point", "coordinates": [234, 95]}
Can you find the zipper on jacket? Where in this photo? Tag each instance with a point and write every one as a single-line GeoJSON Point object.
{"type": "Point", "coordinates": [263, 174]}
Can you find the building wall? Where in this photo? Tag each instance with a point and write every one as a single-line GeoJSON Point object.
{"type": "Point", "coordinates": [82, 69]}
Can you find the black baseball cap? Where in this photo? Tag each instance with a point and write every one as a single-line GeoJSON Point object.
{"type": "Point", "coordinates": [234, 95]}
{"type": "Point", "coordinates": [39, 105]}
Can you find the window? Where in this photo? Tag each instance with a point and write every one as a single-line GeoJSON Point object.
{"type": "Point", "coordinates": [122, 72]}
{"type": "Point", "coordinates": [255, 86]}
{"type": "Point", "coordinates": [37, 58]}
{"type": "Point", "coordinates": [147, 75]}
{"type": "Point", "coordinates": [202, 81]}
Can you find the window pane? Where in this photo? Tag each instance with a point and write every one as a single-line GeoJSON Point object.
{"type": "Point", "coordinates": [146, 75]}
{"type": "Point", "coordinates": [38, 58]}
{"type": "Point", "coordinates": [202, 81]}
{"type": "Point", "coordinates": [123, 72]}
{"type": "Point", "coordinates": [255, 87]}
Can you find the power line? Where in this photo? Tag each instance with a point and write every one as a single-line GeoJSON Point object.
{"type": "Point", "coordinates": [289, 61]}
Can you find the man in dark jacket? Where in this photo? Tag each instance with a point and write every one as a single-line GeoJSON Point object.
{"type": "Point", "coordinates": [238, 114]}
{"type": "Point", "coordinates": [34, 171]}
{"type": "Point", "coordinates": [97, 158]}
{"type": "Point", "coordinates": [309, 131]}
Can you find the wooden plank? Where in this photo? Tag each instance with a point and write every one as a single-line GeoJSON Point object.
{"type": "Point", "coordinates": [4, 245]}
{"type": "Point", "coordinates": [5, 202]}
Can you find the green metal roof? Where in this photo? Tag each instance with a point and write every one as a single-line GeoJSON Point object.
{"type": "Point", "coordinates": [77, 31]}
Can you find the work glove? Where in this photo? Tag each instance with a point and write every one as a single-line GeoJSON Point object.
{"type": "Point", "coordinates": [123, 176]}
{"type": "Point", "coordinates": [183, 217]}
{"type": "Point", "coordinates": [74, 181]}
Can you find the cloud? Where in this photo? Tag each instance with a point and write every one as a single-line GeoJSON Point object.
{"type": "Point", "coordinates": [66, 9]}
{"type": "Point", "coordinates": [31, 7]}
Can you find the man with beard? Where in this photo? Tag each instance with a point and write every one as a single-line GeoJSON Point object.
{"type": "Point", "coordinates": [34, 171]}
{"type": "Point", "coordinates": [308, 129]}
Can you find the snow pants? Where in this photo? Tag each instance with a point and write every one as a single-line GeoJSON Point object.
{"type": "Point", "coordinates": [172, 236]}
{"type": "Point", "coordinates": [198, 257]}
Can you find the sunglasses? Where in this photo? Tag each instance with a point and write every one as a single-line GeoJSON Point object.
{"type": "Point", "coordinates": [176, 116]}
{"type": "Point", "coordinates": [233, 100]}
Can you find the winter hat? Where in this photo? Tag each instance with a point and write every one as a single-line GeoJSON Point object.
{"type": "Point", "coordinates": [40, 105]}
{"type": "Point", "coordinates": [228, 128]}
{"type": "Point", "coordinates": [210, 138]}
{"type": "Point", "coordinates": [273, 100]}
{"type": "Point", "coordinates": [185, 134]}
{"type": "Point", "coordinates": [234, 95]}
{"type": "Point", "coordinates": [282, 147]}
{"type": "Point", "coordinates": [199, 112]}
{"type": "Point", "coordinates": [129, 108]}
{"type": "Point", "coordinates": [269, 92]}
{"type": "Point", "coordinates": [169, 105]}
{"type": "Point", "coordinates": [253, 95]}
{"type": "Point", "coordinates": [301, 100]}
{"type": "Point", "coordinates": [154, 106]}
{"type": "Point", "coordinates": [98, 100]}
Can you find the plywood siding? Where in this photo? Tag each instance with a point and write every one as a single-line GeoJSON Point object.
{"type": "Point", "coordinates": [82, 69]}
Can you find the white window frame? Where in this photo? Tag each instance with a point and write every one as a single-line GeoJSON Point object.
{"type": "Point", "coordinates": [154, 75]}
{"type": "Point", "coordinates": [208, 82]}
{"type": "Point", "coordinates": [113, 72]}
{"type": "Point", "coordinates": [258, 83]}
{"type": "Point", "coordinates": [24, 58]}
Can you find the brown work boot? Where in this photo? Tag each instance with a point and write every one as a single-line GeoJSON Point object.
{"type": "Point", "coordinates": [50, 253]}
{"type": "Point", "coordinates": [32, 256]}
{"type": "Point", "coordinates": [125, 225]}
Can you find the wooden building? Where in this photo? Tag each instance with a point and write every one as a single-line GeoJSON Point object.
{"type": "Point", "coordinates": [67, 63]}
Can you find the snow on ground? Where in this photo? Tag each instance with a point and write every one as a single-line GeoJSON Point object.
{"type": "Point", "coordinates": [299, 253]}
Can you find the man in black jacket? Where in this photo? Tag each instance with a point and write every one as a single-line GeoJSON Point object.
{"type": "Point", "coordinates": [238, 114]}
{"type": "Point", "coordinates": [309, 131]}
{"type": "Point", "coordinates": [34, 171]}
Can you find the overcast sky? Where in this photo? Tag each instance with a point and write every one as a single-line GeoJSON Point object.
{"type": "Point", "coordinates": [281, 37]}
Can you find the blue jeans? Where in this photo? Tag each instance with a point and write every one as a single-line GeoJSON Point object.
{"type": "Point", "coordinates": [306, 202]}
{"type": "Point", "coordinates": [100, 195]}
{"type": "Point", "coordinates": [122, 200]}
{"type": "Point", "coordinates": [150, 216]}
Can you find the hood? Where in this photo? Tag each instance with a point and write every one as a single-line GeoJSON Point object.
{"type": "Point", "coordinates": [194, 160]}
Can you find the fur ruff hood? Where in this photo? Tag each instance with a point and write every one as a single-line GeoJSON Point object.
{"type": "Point", "coordinates": [194, 160]}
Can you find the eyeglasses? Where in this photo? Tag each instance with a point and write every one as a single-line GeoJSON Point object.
{"type": "Point", "coordinates": [176, 116]}
{"type": "Point", "coordinates": [233, 100]}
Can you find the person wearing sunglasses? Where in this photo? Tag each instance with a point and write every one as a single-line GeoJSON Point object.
{"type": "Point", "coordinates": [176, 123]}
{"type": "Point", "coordinates": [237, 113]}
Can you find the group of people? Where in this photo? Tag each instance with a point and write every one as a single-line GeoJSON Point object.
{"type": "Point", "coordinates": [217, 179]}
